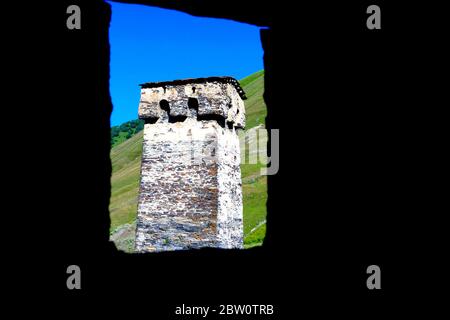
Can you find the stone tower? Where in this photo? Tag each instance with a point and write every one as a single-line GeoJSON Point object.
{"type": "Point", "coordinates": [190, 190]}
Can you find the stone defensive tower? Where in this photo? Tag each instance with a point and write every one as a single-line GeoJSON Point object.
{"type": "Point", "coordinates": [190, 190]}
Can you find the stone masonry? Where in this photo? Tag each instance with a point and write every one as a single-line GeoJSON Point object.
{"type": "Point", "coordinates": [190, 190]}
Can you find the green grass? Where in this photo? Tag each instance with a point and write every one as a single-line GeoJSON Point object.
{"type": "Point", "coordinates": [255, 108]}
{"type": "Point", "coordinates": [254, 201]}
{"type": "Point", "coordinates": [120, 138]}
{"type": "Point", "coordinates": [126, 161]}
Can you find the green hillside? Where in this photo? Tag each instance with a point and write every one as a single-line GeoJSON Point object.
{"type": "Point", "coordinates": [125, 131]}
{"type": "Point", "coordinates": [126, 158]}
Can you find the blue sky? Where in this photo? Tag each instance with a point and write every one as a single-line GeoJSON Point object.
{"type": "Point", "coordinates": [153, 44]}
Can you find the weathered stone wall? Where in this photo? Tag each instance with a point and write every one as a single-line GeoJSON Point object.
{"type": "Point", "coordinates": [214, 99]}
{"type": "Point", "coordinates": [230, 224]}
{"type": "Point", "coordinates": [190, 189]}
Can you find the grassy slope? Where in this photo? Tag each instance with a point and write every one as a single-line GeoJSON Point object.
{"type": "Point", "coordinates": [126, 161]}
{"type": "Point", "coordinates": [126, 170]}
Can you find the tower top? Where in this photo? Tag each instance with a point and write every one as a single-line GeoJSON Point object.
{"type": "Point", "coordinates": [212, 98]}
{"type": "Point", "coordinates": [223, 79]}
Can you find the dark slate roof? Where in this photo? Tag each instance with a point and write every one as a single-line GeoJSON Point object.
{"type": "Point", "coordinates": [230, 80]}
